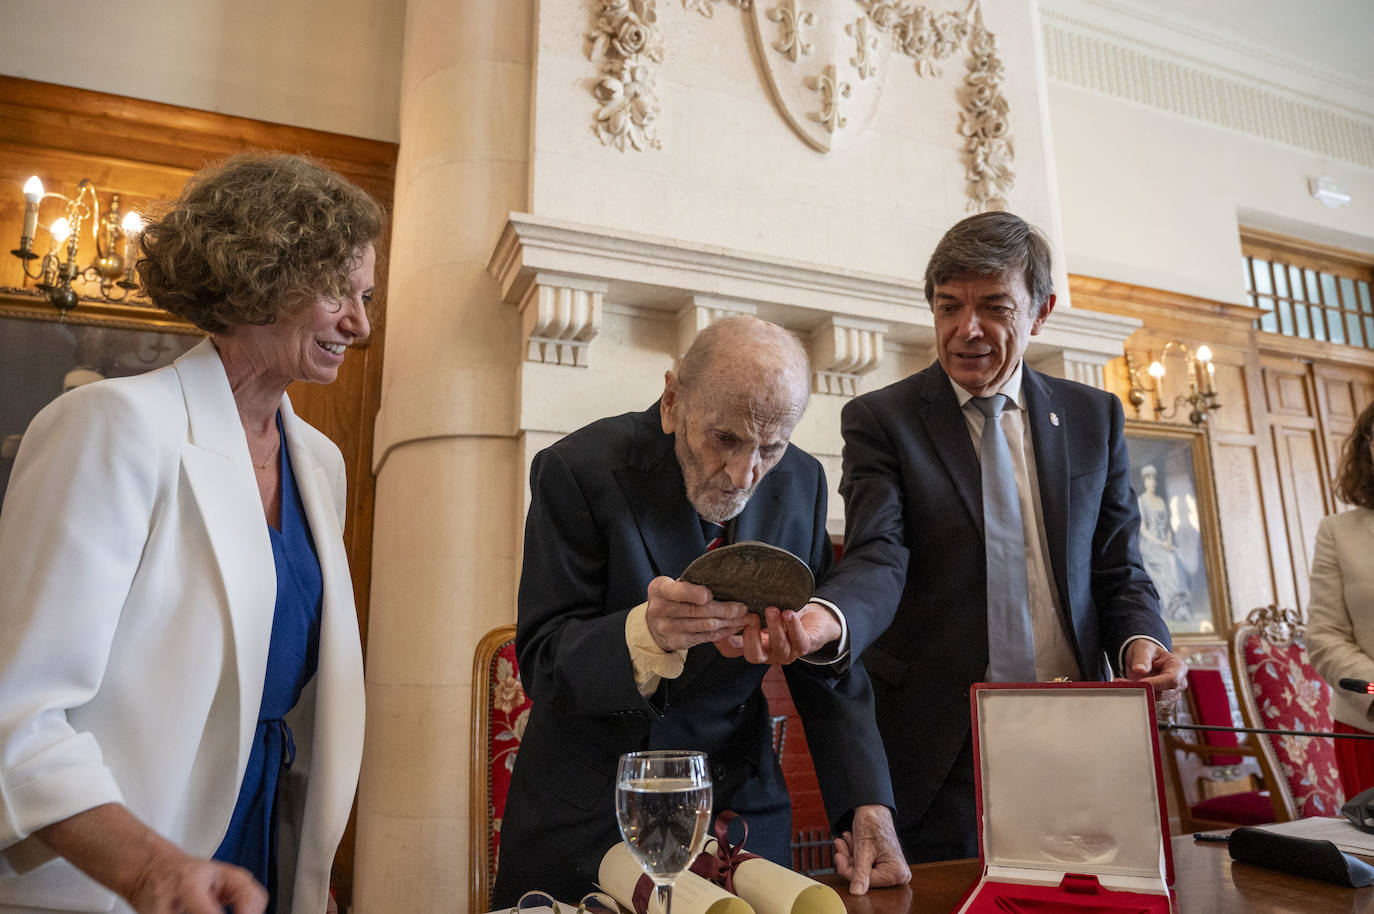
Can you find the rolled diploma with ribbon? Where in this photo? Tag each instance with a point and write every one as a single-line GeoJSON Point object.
{"type": "Point", "coordinates": [773, 889]}
{"type": "Point", "coordinates": [620, 876]}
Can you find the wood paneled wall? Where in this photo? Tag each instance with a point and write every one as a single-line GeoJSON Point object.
{"type": "Point", "coordinates": [1287, 405]}
{"type": "Point", "coordinates": [144, 151]}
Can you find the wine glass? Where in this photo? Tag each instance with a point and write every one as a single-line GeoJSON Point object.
{"type": "Point", "coordinates": [662, 802]}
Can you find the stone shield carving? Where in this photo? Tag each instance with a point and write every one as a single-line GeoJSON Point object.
{"type": "Point", "coordinates": [825, 66]}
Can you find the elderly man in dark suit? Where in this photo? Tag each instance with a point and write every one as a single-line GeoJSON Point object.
{"type": "Point", "coordinates": [990, 521]}
{"type": "Point", "coordinates": [618, 655]}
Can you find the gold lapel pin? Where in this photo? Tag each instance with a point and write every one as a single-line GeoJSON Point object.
{"type": "Point", "coordinates": [1054, 419]}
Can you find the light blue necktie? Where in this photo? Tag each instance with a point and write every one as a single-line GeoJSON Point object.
{"type": "Point", "coordinates": [1011, 646]}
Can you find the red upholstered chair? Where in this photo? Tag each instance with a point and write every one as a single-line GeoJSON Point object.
{"type": "Point", "coordinates": [1278, 688]}
{"type": "Point", "coordinates": [500, 710]}
{"type": "Point", "coordinates": [1206, 702]}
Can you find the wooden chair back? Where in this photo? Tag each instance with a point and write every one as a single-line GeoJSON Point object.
{"type": "Point", "coordinates": [500, 710]}
{"type": "Point", "coordinates": [1278, 688]}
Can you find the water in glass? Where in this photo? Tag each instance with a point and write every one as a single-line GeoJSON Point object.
{"type": "Point", "coordinates": [662, 802]}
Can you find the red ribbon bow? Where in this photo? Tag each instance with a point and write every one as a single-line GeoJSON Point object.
{"type": "Point", "coordinates": [718, 867]}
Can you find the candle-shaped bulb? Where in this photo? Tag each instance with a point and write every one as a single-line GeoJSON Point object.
{"type": "Point", "coordinates": [1204, 354]}
{"type": "Point", "coordinates": [132, 224]}
{"type": "Point", "coordinates": [1156, 370]}
{"type": "Point", "coordinates": [33, 192]}
{"type": "Point", "coordinates": [60, 230]}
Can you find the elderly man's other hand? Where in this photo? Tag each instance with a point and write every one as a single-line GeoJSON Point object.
{"type": "Point", "coordinates": [682, 615]}
{"type": "Point", "coordinates": [1146, 661]}
{"type": "Point", "coordinates": [788, 635]}
{"type": "Point", "coordinates": [869, 855]}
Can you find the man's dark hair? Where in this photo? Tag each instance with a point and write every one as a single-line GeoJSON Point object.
{"type": "Point", "coordinates": [991, 243]}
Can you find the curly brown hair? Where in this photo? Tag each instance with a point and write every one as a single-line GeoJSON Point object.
{"type": "Point", "coordinates": [1355, 475]}
{"type": "Point", "coordinates": [255, 238]}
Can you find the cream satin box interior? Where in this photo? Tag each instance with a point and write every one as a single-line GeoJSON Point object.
{"type": "Point", "coordinates": [1071, 810]}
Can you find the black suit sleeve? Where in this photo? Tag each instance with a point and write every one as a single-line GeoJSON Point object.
{"type": "Point", "coordinates": [1125, 597]}
{"type": "Point", "coordinates": [841, 731]}
{"type": "Point", "coordinates": [867, 582]}
{"type": "Point", "coordinates": [570, 644]}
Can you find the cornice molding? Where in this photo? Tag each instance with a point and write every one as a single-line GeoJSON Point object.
{"type": "Point", "coordinates": [1094, 57]}
{"type": "Point", "coordinates": [1226, 41]}
{"type": "Point", "coordinates": [658, 272]}
{"type": "Point", "coordinates": [850, 318]}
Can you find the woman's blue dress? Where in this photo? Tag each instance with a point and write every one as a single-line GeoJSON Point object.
{"type": "Point", "coordinates": [291, 659]}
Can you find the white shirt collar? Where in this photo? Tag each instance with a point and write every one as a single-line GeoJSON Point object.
{"type": "Point", "coordinates": [1011, 387]}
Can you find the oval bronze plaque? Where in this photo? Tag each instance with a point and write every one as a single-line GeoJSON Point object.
{"type": "Point", "coordinates": [755, 574]}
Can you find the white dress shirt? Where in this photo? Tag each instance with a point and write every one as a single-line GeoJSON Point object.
{"type": "Point", "coordinates": [1054, 656]}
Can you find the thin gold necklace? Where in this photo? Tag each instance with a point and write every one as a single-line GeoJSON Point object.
{"type": "Point", "coordinates": [263, 465]}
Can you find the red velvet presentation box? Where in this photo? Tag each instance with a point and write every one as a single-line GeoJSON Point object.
{"type": "Point", "coordinates": [1071, 811]}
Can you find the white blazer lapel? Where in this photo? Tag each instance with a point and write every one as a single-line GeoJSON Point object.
{"type": "Point", "coordinates": [338, 724]}
{"type": "Point", "coordinates": [219, 471]}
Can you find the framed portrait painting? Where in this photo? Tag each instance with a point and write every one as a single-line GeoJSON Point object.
{"type": "Point", "coordinates": [44, 353]}
{"type": "Point", "coordinates": [1180, 533]}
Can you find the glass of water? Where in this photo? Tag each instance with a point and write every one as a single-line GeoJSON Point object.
{"type": "Point", "coordinates": [662, 802]}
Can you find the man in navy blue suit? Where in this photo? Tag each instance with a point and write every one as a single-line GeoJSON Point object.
{"type": "Point", "coordinates": [914, 581]}
{"type": "Point", "coordinates": [618, 655]}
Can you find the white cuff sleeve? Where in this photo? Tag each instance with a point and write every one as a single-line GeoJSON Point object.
{"type": "Point", "coordinates": [651, 663]}
{"type": "Point", "coordinates": [835, 650]}
{"type": "Point", "coordinates": [1121, 653]}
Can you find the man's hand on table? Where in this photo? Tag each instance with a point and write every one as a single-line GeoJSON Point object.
{"type": "Point", "coordinates": [869, 855]}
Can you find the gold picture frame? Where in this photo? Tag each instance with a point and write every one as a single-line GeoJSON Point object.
{"type": "Point", "coordinates": [1180, 526]}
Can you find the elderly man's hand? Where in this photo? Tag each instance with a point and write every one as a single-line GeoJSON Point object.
{"type": "Point", "coordinates": [869, 855]}
{"type": "Point", "coordinates": [788, 635]}
{"type": "Point", "coordinates": [1146, 661]}
{"type": "Point", "coordinates": [682, 615]}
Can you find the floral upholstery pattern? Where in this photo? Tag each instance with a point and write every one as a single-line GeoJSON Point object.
{"type": "Point", "coordinates": [509, 714]}
{"type": "Point", "coordinates": [1291, 696]}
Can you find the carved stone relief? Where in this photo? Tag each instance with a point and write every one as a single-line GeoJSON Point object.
{"type": "Point", "coordinates": [625, 43]}
{"type": "Point", "coordinates": [824, 61]}
{"type": "Point", "coordinates": [928, 37]}
{"type": "Point", "coordinates": [825, 69]}
{"type": "Point", "coordinates": [707, 8]}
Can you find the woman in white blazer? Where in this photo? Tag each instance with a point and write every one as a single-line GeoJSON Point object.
{"type": "Point", "coordinates": [181, 692]}
{"type": "Point", "coordinates": [1340, 612]}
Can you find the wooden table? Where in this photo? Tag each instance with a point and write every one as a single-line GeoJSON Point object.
{"type": "Point", "coordinates": [1205, 882]}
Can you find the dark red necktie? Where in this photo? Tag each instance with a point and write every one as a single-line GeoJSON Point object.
{"type": "Point", "coordinates": [714, 533]}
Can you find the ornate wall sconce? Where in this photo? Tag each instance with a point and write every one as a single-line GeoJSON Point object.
{"type": "Point", "coordinates": [116, 240]}
{"type": "Point", "coordinates": [1201, 396]}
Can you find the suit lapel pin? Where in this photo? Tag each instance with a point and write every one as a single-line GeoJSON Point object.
{"type": "Point", "coordinates": [1054, 419]}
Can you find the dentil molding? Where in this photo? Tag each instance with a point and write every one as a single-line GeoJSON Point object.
{"type": "Point", "coordinates": [1094, 57]}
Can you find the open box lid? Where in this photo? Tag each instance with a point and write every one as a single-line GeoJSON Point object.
{"type": "Point", "coordinates": [1069, 781]}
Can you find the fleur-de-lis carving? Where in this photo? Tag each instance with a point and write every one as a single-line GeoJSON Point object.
{"type": "Point", "coordinates": [791, 19]}
{"type": "Point", "coordinates": [865, 41]}
{"type": "Point", "coordinates": [707, 8]}
{"type": "Point", "coordinates": [832, 89]}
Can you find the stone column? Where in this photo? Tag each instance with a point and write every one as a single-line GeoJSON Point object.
{"type": "Point", "coordinates": [447, 456]}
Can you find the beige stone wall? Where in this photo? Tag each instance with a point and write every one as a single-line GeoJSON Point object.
{"type": "Point", "coordinates": [731, 172]}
